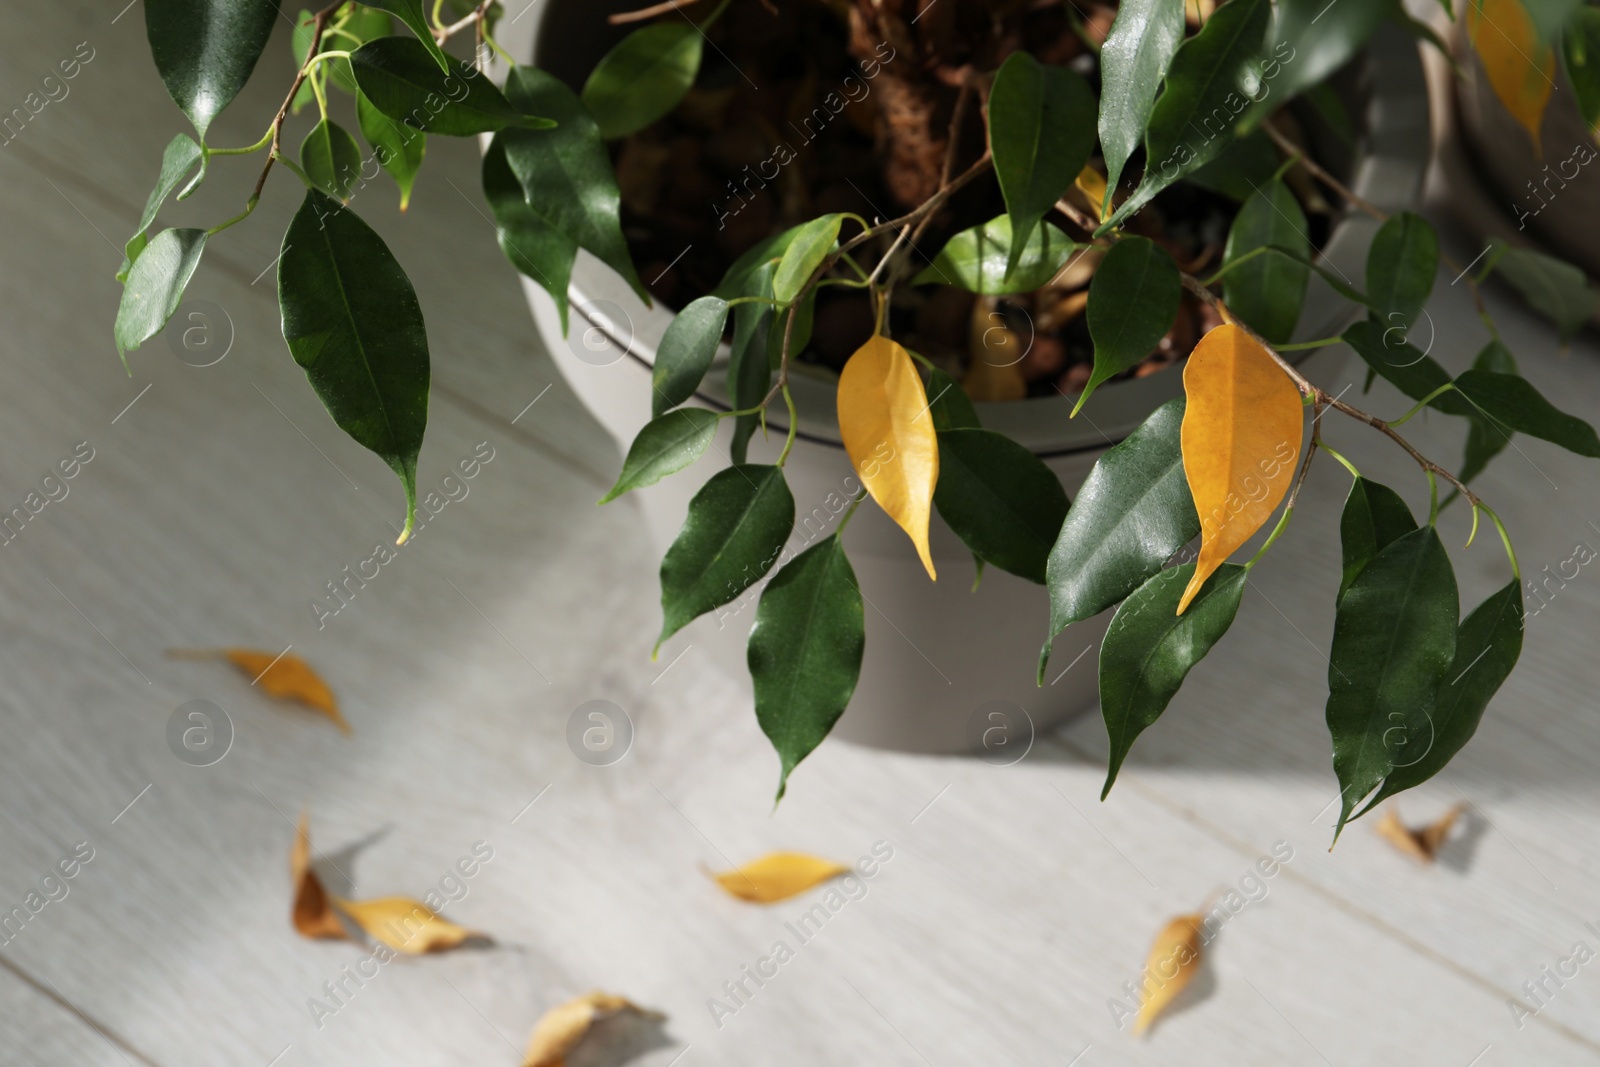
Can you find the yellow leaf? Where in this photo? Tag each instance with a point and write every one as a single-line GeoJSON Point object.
{"type": "Point", "coordinates": [888, 432]}
{"type": "Point", "coordinates": [282, 676]}
{"type": "Point", "coordinates": [1241, 436]}
{"type": "Point", "coordinates": [1519, 66]}
{"type": "Point", "coordinates": [1173, 962]}
{"type": "Point", "coordinates": [311, 913]}
{"type": "Point", "coordinates": [561, 1028]}
{"type": "Point", "coordinates": [1422, 843]}
{"type": "Point", "coordinates": [405, 925]}
{"type": "Point", "coordinates": [1092, 184]}
{"type": "Point", "coordinates": [778, 876]}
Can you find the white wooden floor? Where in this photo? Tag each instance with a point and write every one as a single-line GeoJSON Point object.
{"type": "Point", "coordinates": [1015, 905]}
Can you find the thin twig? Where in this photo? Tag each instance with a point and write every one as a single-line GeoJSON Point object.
{"type": "Point", "coordinates": [320, 20]}
{"type": "Point", "coordinates": [476, 17]}
{"type": "Point", "coordinates": [622, 18]}
{"type": "Point", "coordinates": [1317, 408]}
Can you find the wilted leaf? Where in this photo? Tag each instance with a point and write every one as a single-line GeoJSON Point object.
{"type": "Point", "coordinates": [1518, 65]}
{"type": "Point", "coordinates": [889, 435]}
{"type": "Point", "coordinates": [561, 1028]}
{"type": "Point", "coordinates": [405, 925]}
{"type": "Point", "coordinates": [281, 676]}
{"type": "Point", "coordinates": [1423, 842]}
{"type": "Point", "coordinates": [1241, 437]}
{"type": "Point", "coordinates": [311, 913]}
{"type": "Point", "coordinates": [778, 876]}
{"type": "Point", "coordinates": [1173, 962]}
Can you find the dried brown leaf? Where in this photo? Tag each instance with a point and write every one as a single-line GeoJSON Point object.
{"type": "Point", "coordinates": [1173, 962]}
{"type": "Point", "coordinates": [280, 675]}
{"type": "Point", "coordinates": [311, 913]}
{"type": "Point", "coordinates": [778, 876]}
{"type": "Point", "coordinates": [561, 1028]}
{"type": "Point", "coordinates": [405, 925]}
{"type": "Point", "coordinates": [1423, 842]}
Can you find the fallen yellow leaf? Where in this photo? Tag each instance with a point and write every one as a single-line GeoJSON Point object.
{"type": "Point", "coordinates": [405, 925]}
{"type": "Point", "coordinates": [561, 1028]}
{"type": "Point", "coordinates": [778, 876]}
{"type": "Point", "coordinates": [1241, 437]}
{"type": "Point", "coordinates": [1422, 843]}
{"type": "Point", "coordinates": [1173, 962]}
{"type": "Point", "coordinates": [888, 433]}
{"type": "Point", "coordinates": [311, 913]}
{"type": "Point", "coordinates": [1519, 66]}
{"type": "Point", "coordinates": [281, 676]}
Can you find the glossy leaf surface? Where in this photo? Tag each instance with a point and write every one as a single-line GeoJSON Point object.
{"type": "Point", "coordinates": [643, 77]}
{"type": "Point", "coordinates": [1000, 499]}
{"type": "Point", "coordinates": [975, 259]}
{"type": "Point", "coordinates": [1133, 299]}
{"type": "Point", "coordinates": [205, 50]}
{"type": "Point", "coordinates": [665, 446]}
{"type": "Point", "coordinates": [1267, 291]}
{"type": "Point", "coordinates": [1041, 130]}
{"type": "Point", "coordinates": [403, 81]}
{"type": "Point", "coordinates": [155, 285]}
{"type": "Point", "coordinates": [686, 352]}
{"type": "Point", "coordinates": [1133, 60]}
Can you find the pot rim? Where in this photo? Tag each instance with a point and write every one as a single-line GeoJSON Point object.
{"type": "Point", "coordinates": [1387, 171]}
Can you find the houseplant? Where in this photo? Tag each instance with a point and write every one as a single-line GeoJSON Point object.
{"type": "Point", "coordinates": [1179, 104]}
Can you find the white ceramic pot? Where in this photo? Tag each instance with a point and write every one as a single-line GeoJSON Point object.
{"type": "Point", "coordinates": [939, 655]}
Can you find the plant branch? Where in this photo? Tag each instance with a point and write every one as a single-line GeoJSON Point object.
{"type": "Point", "coordinates": [320, 23]}
{"type": "Point", "coordinates": [622, 18]}
{"type": "Point", "coordinates": [478, 13]}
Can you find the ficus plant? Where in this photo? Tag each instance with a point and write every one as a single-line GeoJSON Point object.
{"type": "Point", "coordinates": [1078, 156]}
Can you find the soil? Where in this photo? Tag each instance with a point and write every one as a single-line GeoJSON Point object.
{"type": "Point", "coordinates": [819, 106]}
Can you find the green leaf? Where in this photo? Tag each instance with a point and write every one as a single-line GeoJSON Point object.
{"type": "Point", "coordinates": [181, 154]}
{"type": "Point", "coordinates": [1513, 403]}
{"type": "Point", "coordinates": [401, 79]}
{"type": "Point", "coordinates": [949, 404]}
{"type": "Point", "coordinates": [1401, 262]}
{"type": "Point", "coordinates": [976, 259]}
{"type": "Point", "coordinates": [1407, 368]}
{"type": "Point", "coordinates": [155, 286]}
{"type": "Point", "coordinates": [1241, 168]}
{"type": "Point", "coordinates": [770, 249]}
{"type": "Point", "coordinates": [749, 366]}
{"type": "Point", "coordinates": [532, 245]}
{"type": "Point", "coordinates": [1394, 637]}
{"type": "Point", "coordinates": [300, 46]}
{"type": "Point", "coordinates": [1580, 53]}
{"type": "Point", "coordinates": [1485, 439]}
{"type": "Point", "coordinates": [665, 446]}
{"type": "Point", "coordinates": [736, 528]}
{"type": "Point", "coordinates": [399, 149]}
{"type": "Point", "coordinates": [1374, 517]}
{"type": "Point", "coordinates": [1149, 650]}
{"type": "Point", "coordinates": [566, 172]}
{"type": "Point", "coordinates": [1488, 644]}
{"type": "Point", "coordinates": [1041, 131]}
{"type": "Point", "coordinates": [805, 651]}
{"type": "Point", "coordinates": [1310, 40]}
{"type": "Point", "coordinates": [412, 13]}
{"type": "Point", "coordinates": [1133, 299]}
{"type": "Point", "coordinates": [1549, 16]}
{"type": "Point", "coordinates": [1133, 512]}
{"type": "Point", "coordinates": [1267, 291]}
{"type": "Point", "coordinates": [1209, 83]}
{"type": "Point", "coordinates": [686, 351]}
{"type": "Point", "coordinates": [1133, 61]}
{"type": "Point", "coordinates": [643, 77]}
{"type": "Point", "coordinates": [811, 243]}
{"type": "Point", "coordinates": [352, 321]}
{"type": "Point", "coordinates": [361, 25]}
{"type": "Point", "coordinates": [205, 50]}
{"type": "Point", "coordinates": [1557, 290]}
{"type": "Point", "coordinates": [331, 159]}
{"type": "Point", "coordinates": [1000, 499]}
{"type": "Point", "coordinates": [805, 321]}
